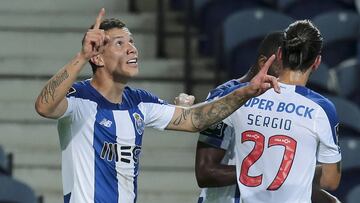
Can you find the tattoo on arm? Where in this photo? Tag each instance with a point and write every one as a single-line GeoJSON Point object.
{"type": "Point", "coordinates": [183, 116]}
{"type": "Point", "coordinates": [76, 62]}
{"type": "Point", "coordinates": [49, 90]}
{"type": "Point", "coordinates": [206, 116]}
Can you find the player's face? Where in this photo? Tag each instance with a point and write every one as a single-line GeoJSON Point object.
{"type": "Point", "coordinates": [120, 56]}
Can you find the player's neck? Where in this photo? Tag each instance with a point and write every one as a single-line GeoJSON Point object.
{"type": "Point", "coordinates": [291, 77]}
{"type": "Point", "coordinates": [109, 89]}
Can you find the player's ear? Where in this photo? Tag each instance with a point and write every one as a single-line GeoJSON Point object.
{"type": "Point", "coordinates": [261, 60]}
{"type": "Point", "coordinates": [316, 63]}
{"type": "Point", "coordinates": [97, 60]}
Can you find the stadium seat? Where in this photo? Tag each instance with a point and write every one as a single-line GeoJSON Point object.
{"type": "Point", "coordinates": [348, 73]}
{"type": "Point", "coordinates": [354, 195]}
{"type": "Point", "coordinates": [3, 162]}
{"type": "Point", "coordinates": [307, 9]}
{"type": "Point", "coordinates": [350, 151]}
{"type": "Point", "coordinates": [213, 15]}
{"type": "Point", "coordinates": [321, 80]}
{"type": "Point", "coordinates": [340, 30]}
{"type": "Point", "coordinates": [198, 7]}
{"type": "Point", "coordinates": [350, 180]}
{"type": "Point", "coordinates": [241, 34]}
{"type": "Point", "coordinates": [13, 191]}
{"type": "Point", "coordinates": [348, 114]}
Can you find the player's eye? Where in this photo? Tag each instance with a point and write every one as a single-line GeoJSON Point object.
{"type": "Point", "coordinates": [132, 41]}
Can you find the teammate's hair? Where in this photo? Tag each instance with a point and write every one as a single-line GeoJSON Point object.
{"type": "Point", "coordinates": [106, 24]}
{"type": "Point", "coordinates": [302, 44]}
{"type": "Point", "coordinates": [270, 44]}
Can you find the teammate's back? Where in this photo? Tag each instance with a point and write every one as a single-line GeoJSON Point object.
{"type": "Point", "coordinates": [278, 144]}
{"type": "Point", "coordinates": [280, 137]}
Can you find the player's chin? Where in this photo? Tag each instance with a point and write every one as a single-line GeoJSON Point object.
{"type": "Point", "coordinates": [132, 72]}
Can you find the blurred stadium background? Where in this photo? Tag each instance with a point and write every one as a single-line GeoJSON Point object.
{"type": "Point", "coordinates": [185, 46]}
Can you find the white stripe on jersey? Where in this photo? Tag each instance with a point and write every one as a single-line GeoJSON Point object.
{"type": "Point", "coordinates": [101, 142]}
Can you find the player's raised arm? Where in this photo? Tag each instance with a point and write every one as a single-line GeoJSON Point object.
{"type": "Point", "coordinates": [51, 102]}
{"type": "Point", "coordinates": [201, 116]}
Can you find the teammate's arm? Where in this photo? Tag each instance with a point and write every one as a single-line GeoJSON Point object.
{"type": "Point", "coordinates": [201, 116]}
{"type": "Point", "coordinates": [51, 102]}
{"type": "Point", "coordinates": [319, 195]}
{"type": "Point", "coordinates": [209, 170]}
{"type": "Point", "coordinates": [330, 176]}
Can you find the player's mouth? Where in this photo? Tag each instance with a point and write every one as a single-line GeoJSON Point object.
{"type": "Point", "coordinates": [133, 62]}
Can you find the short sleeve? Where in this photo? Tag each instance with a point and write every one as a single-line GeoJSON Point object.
{"type": "Point", "coordinates": [72, 104]}
{"type": "Point", "coordinates": [218, 135]}
{"type": "Point", "coordinates": [157, 115]}
{"type": "Point", "coordinates": [327, 125]}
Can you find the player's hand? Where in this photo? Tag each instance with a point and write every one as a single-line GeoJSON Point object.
{"type": "Point", "coordinates": [184, 100]}
{"type": "Point", "coordinates": [95, 39]}
{"type": "Point", "coordinates": [262, 81]}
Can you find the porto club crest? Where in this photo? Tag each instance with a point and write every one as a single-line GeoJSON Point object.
{"type": "Point", "coordinates": [139, 123]}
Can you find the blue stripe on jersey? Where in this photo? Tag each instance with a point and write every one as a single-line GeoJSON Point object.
{"type": "Point", "coordinates": [325, 104]}
{"type": "Point", "coordinates": [132, 97]}
{"type": "Point", "coordinates": [225, 89]}
{"type": "Point", "coordinates": [200, 200]}
{"type": "Point", "coordinates": [237, 194]}
{"type": "Point", "coordinates": [106, 186]}
{"type": "Point", "coordinates": [139, 126]}
{"type": "Point", "coordinates": [67, 198]}
{"type": "Point", "coordinates": [215, 142]}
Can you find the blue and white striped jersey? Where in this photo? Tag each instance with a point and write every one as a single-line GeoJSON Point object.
{"type": "Point", "coordinates": [101, 142]}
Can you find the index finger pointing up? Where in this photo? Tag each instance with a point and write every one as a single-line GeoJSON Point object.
{"type": "Point", "coordinates": [99, 18]}
{"type": "Point", "coordinates": [268, 63]}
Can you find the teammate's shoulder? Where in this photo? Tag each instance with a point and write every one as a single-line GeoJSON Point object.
{"type": "Point", "coordinates": [225, 88]}
{"type": "Point", "coordinates": [317, 98]}
{"type": "Point", "coordinates": [229, 84]}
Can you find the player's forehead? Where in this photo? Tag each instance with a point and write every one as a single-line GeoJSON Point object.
{"type": "Point", "coordinates": [119, 33]}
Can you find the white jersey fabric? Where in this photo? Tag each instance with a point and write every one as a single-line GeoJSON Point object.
{"type": "Point", "coordinates": [221, 136]}
{"type": "Point", "coordinates": [101, 142]}
{"type": "Point", "coordinates": [279, 139]}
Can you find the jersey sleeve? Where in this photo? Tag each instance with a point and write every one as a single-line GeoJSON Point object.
{"type": "Point", "coordinates": [157, 113]}
{"type": "Point", "coordinates": [327, 129]}
{"type": "Point", "coordinates": [220, 135]}
{"type": "Point", "coordinates": [72, 103]}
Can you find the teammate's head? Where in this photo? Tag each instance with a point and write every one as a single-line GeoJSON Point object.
{"type": "Point", "coordinates": [269, 46]}
{"type": "Point", "coordinates": [302, 46]}
{"type": "Point", "coordinates": [119, 49]}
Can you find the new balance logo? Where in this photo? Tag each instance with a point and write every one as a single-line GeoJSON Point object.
{"type": "Point", "coordinates": [105, 122]}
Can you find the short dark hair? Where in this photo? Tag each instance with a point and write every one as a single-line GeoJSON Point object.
{"type": "Point", "coordinates": [106, 24]}
{"type": "Point", "coordinates": [270, 44]}
{"type": "Point", "coordinates": [302, 44]}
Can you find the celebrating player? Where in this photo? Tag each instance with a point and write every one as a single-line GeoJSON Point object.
{"type": "Point", "coordinates": [279, 137]}
{"type": "Point", "coordinates": [215, 155]}
{"type": "Point", "coordinates": [101, 121]}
